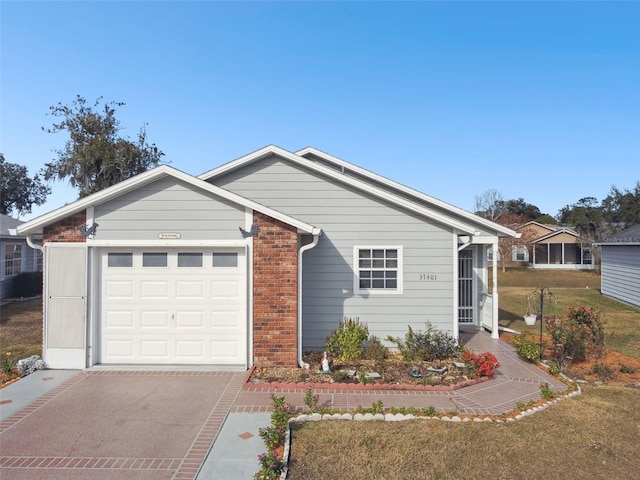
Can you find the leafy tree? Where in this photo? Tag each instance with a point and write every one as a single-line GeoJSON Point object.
{"type": "Point", "coordinates": [586, 216]}
{"type": "Point", "coordinates": [19, 192]}
{"type": "Point", "coordinates": [95, 156]}
{"type": "Point", "coordinates": [520, 207]}
{"type": "Point", "coordinates": [507, 244]}
{"type": "Point", "coordinates": [490, 204]}
{"type": "Point", "coordinates": [622, 206]}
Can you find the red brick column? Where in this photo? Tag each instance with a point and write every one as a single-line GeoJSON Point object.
{"type": "Point", "coordinates": [65, 230]}
{"type": "Point", "coordinates": [275, 293]}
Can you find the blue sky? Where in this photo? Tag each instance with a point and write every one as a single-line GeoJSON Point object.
{"type": "Point", "coordinates": [539, 100]}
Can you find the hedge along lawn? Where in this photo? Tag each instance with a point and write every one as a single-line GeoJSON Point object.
{"type": "Point", "coordinates": [21, 328]}
{"type": "Point", "coordinates": [591, 436]}
{"type": "Point", "coordinates": [575, 288]}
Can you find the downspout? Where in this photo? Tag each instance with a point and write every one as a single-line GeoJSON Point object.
{"type": "Point", "coordinates": [304, 248]}
{"type": "Point", "coordinates": [35, 246]}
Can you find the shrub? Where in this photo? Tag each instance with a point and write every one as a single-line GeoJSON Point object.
{"type": "Point", "coordinates": [375, 350]}
{"type": "Point", "coordinates": [345, 342]}
{"type": "Point", "coordinates": [311, 400]}
{"type": "Point", "coordinates": [27, 284]}
{"type": "Point", "coordinates": [545, 391]}
{"type": "Point", "coordinates": [581, 330]}
{"type": "Point", "coordinates": [429, 345]}
{"type": "Point", "coordinates": [526, 348]}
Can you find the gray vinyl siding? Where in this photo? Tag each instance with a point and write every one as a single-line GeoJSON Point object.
{"type": "Point", "coordinates": [168, 205]}
{"type": "Point", "coordinates": [620, 271]}
{"type": "Point", "coordinates": [349, 218]}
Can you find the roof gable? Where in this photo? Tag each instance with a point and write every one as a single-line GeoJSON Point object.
{"type": "Point", "coordinates": [8, 223]}
{"type": "Point", "coordinates": [133, 183]}
{"type": "Point", "coordinates": [376, 185]}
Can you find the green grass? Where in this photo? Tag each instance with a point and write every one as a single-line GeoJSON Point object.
{"type": "Point", "coordinates": [569, 288]}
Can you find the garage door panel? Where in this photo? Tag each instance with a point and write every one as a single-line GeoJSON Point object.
{"type": "Point", "coordinates": [154, 289]}
{"type": "Point", "coordinates": [226, 320]}
{"type": "Point", "coordinates": [120, 349]}
{"type": "Point", "coordinates": [154, 349]}
{"type": "Point", "coordinates": [119, 319]}
{"type": "Point", "coordinates": [224, 349]}
{"type": "Point", "coordinates": [190, 319]}
{"type": "Point", "coordinates": [174, 314]}
{"type": "Point", "coordinates": [189, 290]}
{"type": "Point", "coordinates": [120, 290]}
{"type": "Point", "coordinates": [154, 319]}
{"type": "Point", "coordinates": [190, 349]}
{"type": "Point", "coordinates": [227, 291]}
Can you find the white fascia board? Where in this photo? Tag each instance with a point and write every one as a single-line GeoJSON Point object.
{"type": "Point", "coordinates": [378, 192]}
{"type": "Point", "coordinates": [147, 177]}
{"type": "Point", "coordinates": [238, 162]}
{"type": "Point", "coordinates": [408, 190]}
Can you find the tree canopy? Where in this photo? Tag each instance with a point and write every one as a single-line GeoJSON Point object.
{"type": "Point", "coordinates": [18, 191]}
{"type": "Point", "coordinates": [95, 156]}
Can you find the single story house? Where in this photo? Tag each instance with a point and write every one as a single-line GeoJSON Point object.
{"type": "Point", "coordinates": [16, 255]}
{"type": "Point", "coordinates": [620, 266]}
{"type": "Point", "coordinates": [254, 262]}
{"type": "Point", "coordinates": [553, 246]}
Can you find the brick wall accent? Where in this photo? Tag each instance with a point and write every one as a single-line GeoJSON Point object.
{"type": "Point", "coordinates": [275, 293]}
{"type": "Point", "coordinates": [65, 230]}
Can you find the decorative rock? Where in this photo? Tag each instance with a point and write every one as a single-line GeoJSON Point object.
{"type": "Point", "coordinates": [332, 416]}
{"type": "Point", "coordinates": [487, 419]}
{"type": "Point", "coordinates": [358, 417]}
{"type": "Point", "coordinates": [300, 418]}
{"type": "Point", "coordinates": [347, 416]}
{"type": "Point", "coordinates": [445, 418]}
{"type": "Point", "coordinates": [315, 417]}
{"type": "Point", "coordinates": [390, 417]}
{"type": "Point", "coordinates": [373, 376]}
{"type": "Point", "coordinates": [477, 419]}
{"type": "Point", "coordinates": [466, 419]}
{"type": "Point", "coordinates": [510, 420]}
{"type": "Point", "coordinates": [456, 419]}
{"type": "Point", "coordinates": [378, 416]}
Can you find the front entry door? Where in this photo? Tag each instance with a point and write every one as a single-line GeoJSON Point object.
{"type": "Point", "coordinates": [465, 287]}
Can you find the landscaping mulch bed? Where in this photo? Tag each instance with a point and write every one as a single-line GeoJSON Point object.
{"type": "Point", "coordinates": [614, 368]}
{"type": "Point", "coordinates": [393, 371]}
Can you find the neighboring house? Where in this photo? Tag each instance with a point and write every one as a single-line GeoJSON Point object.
{"type": "Point", "coordinates": [553, 246]}
{"type": "Point", "coordinates": [620, 266]}
{"type": "Point", "coordinates": [16, 256]}
{"type": "Point", "coordinates": [254, 262]}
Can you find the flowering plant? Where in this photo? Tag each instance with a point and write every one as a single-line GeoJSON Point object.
{"type": "Point", "coordinates": [281, 412]}
{"type": "Point", "coordinates": [270, 466]}
{"type": "Point", "coordinates": [272, 436]}
{"type": "Point", "coordinates": [482, 363]}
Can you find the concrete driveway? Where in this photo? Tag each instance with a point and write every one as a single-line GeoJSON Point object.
{"type": "Point", "coordinates": [119, 424]}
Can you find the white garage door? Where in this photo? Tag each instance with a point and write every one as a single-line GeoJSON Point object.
{"type": "Point", "coordinates": [174, 306]}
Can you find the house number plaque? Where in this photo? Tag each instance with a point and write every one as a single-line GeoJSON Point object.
{"type": "Point", "coordinates": [425, 277]}
{"type": "Point", "coordinates": [169, 235]}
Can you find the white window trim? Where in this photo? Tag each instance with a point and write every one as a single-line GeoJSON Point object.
{"type": "Point", "coordinates": [377, 291]}
{"type": "Point", "coordinates": [23, 251]}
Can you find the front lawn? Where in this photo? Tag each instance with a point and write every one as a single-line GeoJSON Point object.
{"type": "Point", "coordinates": [591, 436]}
{"type": "Point", "coordinates": [20, 330]}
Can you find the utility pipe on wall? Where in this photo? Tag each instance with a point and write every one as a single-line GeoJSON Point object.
{"type": "Point", "coordinates": [304, 248]}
